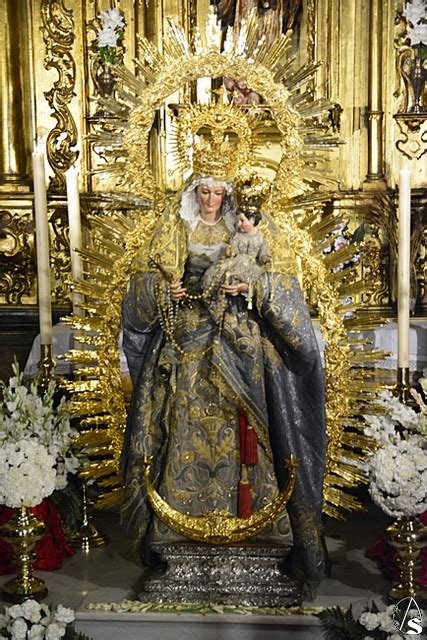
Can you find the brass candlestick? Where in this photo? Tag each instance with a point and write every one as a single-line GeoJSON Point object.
{"type": "Point", "coordinates": [408, 536]}
{"type": "Point", "coordinates": [23, 531]}
{"type": "Point", "coordinates": [45, 366]}
{"type": "Point", "coordinates": [88, 535]}
{"type": "Point", "coordinates": [402, 389]}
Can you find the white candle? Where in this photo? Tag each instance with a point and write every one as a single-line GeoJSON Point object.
{"type": "Point", "coordinates": [403, 280]}
{"type": "Point", "coordinates": [75, 232]}
{"type": "Point", "coordinates": [204, 90]}
{"type": "Point", "coordinates": [42, 246]}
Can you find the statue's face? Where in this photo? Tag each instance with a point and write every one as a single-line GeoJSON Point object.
{"type": "Point", "coordinates": [244, 224]}
{"type": "Point", "coordinates": [210, 199]}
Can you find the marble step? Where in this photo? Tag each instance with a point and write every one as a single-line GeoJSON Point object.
{"type": "Point", "coordinates": [104, 625]}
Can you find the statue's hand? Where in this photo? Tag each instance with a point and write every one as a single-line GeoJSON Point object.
{"type": "Point", "coordinates": [178, 292]}
{"type": "Point", "coordinates": [235, 289]}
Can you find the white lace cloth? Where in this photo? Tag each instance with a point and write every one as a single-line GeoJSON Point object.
{"type": "Point", "coordinates": [386, 340]}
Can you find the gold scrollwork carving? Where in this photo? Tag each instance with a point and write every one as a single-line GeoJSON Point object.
{"type": "Point", "coordinates": [58, 36]}
{"type": "Point", "coordinates": [17, 269]}
{"type": "Point", "coordinates": [421, 267]}
{"type": "Point", "coordinates": [60, 255]}
{"type": "Point", "coordinates": [60, 251]}
{"type": "Point", "coordinates": [375, 266]}
{"type": "Point", "coordinates": [418, 254]}
{"type": "Point", "coordinates": [412, 139]}
{"type": "Point", "coordinates": [403, 60]}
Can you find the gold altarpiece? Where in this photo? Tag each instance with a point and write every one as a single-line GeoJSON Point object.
{"type": "Point", "coordinates": [50, 81]}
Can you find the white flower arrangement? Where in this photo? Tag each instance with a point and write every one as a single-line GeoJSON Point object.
{"type": "Point", "coordinates": [415, 14]}
{"type": "Point", "coordinates": [382, 621]}
{"type": "Point", "coordinates": [34, 620]}
{"type": "Point", "coordinates": [111, 35]}
{"type": "Point", "coordinates": [35, 443]}
{"type": "Point", "coordinates": [398, 469]}
{"type": "Point", "coordinates": [398, 479]}
{"type": "Point", "coordinates": [372, 624]}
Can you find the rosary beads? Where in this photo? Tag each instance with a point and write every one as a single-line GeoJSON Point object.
{"type": "Point", "coordinates": [168, 312]}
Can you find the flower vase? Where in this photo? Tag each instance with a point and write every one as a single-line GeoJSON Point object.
{"type": "Point", "coordinates": [23, 531]}
{"type": "Point", "coordinates": [408, 536]}
{"type": "Point", "coordinates": [418, 76]}
{"type": "Point", "coordinates": [106, 81]}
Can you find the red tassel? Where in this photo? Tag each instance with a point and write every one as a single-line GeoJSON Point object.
{"type": "Point", "coordinates": [245, 499]}
{"type": "Point", "coordinates": [243, 423]}
{"type": "Point", "coordinates": [251, 449]}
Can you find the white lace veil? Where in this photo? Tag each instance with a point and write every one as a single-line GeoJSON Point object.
{"type": "Point", "coordinates": [190, 207]}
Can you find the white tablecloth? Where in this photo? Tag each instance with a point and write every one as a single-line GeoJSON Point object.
{"type": "Point", "coordinates": [62, 341]}
{"type": "Point", "coordinates": [385, 338]}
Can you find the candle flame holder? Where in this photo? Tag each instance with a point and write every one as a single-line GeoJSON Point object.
{"type": "Point", "coordinates": [23, 531]}
{"type": "Point", "coordinates": [402, 388]}
{"type": "Point", "coordinates": [408, 536]}
{"type": "Point", "coordinates": [45, 366]}
{"type": "Point", "coordinates": [88, 536]}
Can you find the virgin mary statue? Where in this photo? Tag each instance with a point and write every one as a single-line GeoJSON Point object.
{"type": "Point", "coordinates": [221, 398]}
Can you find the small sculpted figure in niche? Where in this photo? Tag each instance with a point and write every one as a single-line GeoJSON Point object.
{"type": "Point", "coordinates": [240, 93]}
{"type": "Point", "coordinates": [274, 16]}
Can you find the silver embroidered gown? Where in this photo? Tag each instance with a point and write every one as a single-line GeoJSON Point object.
{"type": "Point", "coordinates": [185, 408]}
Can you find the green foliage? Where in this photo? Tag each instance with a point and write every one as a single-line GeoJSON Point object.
{"type": "Point", "coordinates": [108, 54]}
{"type": "Point", "coordinates": [339, 624]}
{"type": "Point", "coordinates": [69, 502]}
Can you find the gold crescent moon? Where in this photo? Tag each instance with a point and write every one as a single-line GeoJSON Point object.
{"type": "Point", "coordinates": [218, 526]}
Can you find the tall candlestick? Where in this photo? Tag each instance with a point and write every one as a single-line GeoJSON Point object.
{"type": "Point", "coordinates": [403, 280]}
{"type": "Point", "coordinates": [75, 233]}
{"type": "Point", "coordinates": [42, 246]}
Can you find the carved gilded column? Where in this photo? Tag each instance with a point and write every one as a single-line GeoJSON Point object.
{"type": "Point", "coordinates": [15, 102]}
{"type": "Point", "coordinates": [374, 112]}
{"type": "Point", "coordinates": [311, 31]}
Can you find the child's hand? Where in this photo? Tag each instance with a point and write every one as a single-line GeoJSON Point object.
{"type": "Point", "coordinates": [177, 291]}
{"type": "Point", "coordinates": [235, 289]}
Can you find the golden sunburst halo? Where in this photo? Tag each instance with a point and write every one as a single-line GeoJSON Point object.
{"type": "Point", "coordinates": [119, 242]}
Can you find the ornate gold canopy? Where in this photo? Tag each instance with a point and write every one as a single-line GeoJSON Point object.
{"type": "Point", "coordinates": [295, 203]}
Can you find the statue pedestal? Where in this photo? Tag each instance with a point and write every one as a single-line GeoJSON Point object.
{"type": "Point", "coordinates": [196, 573]}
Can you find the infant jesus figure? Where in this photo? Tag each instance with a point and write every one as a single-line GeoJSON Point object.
{"type": "Point", "coordinates": [247, 256]}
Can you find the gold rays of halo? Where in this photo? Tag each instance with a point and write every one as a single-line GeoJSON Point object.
{"type": "Point", "coordinates": [115, 253]}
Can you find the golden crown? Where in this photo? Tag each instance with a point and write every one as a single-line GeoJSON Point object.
{"type": "Point", "coordinates": [215, 140]}
{"type": "Point", "coordinates": [251, 193]}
